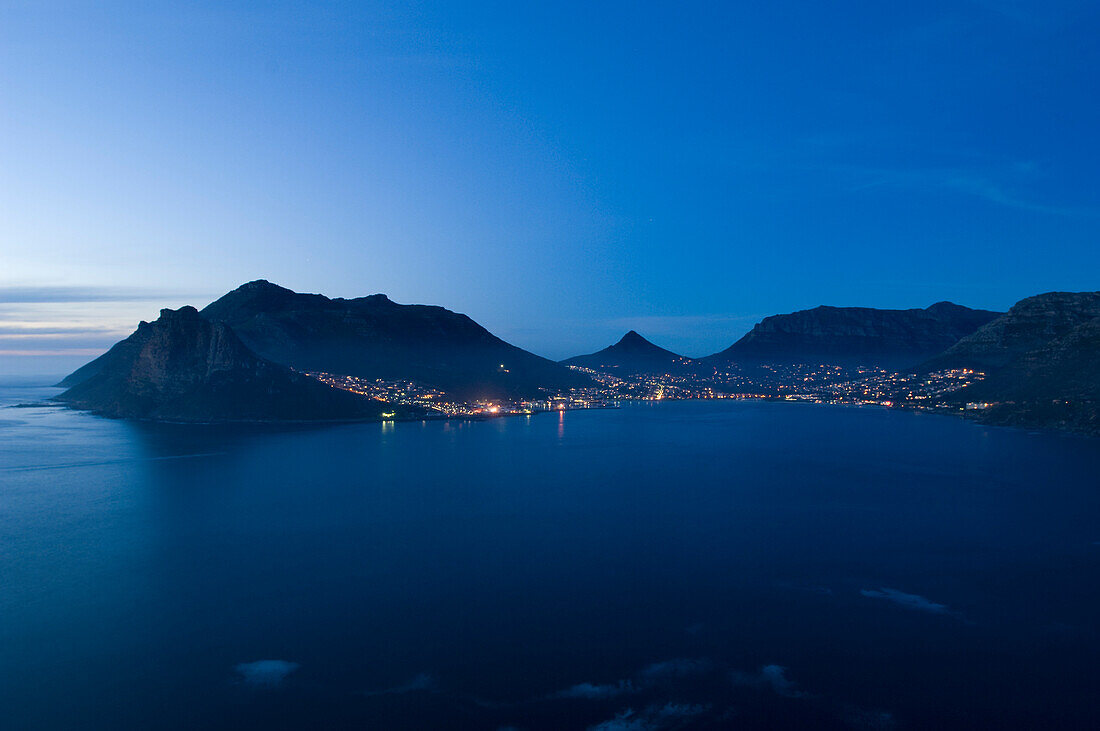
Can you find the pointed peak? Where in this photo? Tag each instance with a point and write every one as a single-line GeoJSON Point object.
{"type": "Point", "coordinates": [258, 294]}
{"type": "Point", "coordinates": [632, 337]}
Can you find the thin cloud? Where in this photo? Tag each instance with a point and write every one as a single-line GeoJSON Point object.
{"type": "Point", "coordinates": [671, 669]}
{"type": "Point", "coordinates": [65, 344]}
{"type": "Point", "coordinates": [653, 718]}
{"type": "Point", "coordinates": [71, 321]}
{"type": "Point", "coordinates": [591, 691]}
{"type": "Point", "coordinates": [915, 602]}
{"type": "Point", "coordinates": [51, 351]}
{"type": "Point", "coordinates": [44, 294]}
{"type": "Point", "coordinates": [266, 673]}
{"type": "Point", "coordinates": [995, 193]}
{"type": "Point", "coordinates": [773, 677]}
{"type": "Point", "coordinates": [996, 186]}
{"type": "Point", "coordinates": [651, 675]}
{"type": "Point", "coordinates": [37, 329]}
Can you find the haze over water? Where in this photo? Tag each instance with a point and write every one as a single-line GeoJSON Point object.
{"type": "Point", "coordinates": [674, 565]}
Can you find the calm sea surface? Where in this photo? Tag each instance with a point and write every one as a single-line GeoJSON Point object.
{"type": "Point", "coordinates": [668, 566]}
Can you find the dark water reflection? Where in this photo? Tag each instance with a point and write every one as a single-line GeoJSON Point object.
{"type": "Point", "coordinates": [684, 565]}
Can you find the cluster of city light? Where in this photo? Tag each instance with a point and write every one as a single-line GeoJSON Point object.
{"type": "Point", "coordinates": [435, 401]}
{"type": "Point", "coordinates": [649, 386]}
{"type": "Point", "coordinates": [816, 383]}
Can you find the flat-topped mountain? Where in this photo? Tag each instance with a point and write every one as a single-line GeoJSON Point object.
{"type": "Point", "coordinates": [633, 354]}
{"type": "Point", "coordinates": [182, 367]}
{"type": "Point", "coordinates": [1042, 360]}
{"type": "Point", "coordinates": [853, 336]}
{"type": "Point", "coordinates": [373, 337]}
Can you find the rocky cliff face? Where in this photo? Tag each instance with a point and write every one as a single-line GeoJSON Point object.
{"type": "Point", "coordinates": [1042, 360]}
{"type": "Point", "coordinates": [182, 367]}
{"type": "Point", "coordinates": [634, 354]}
{"type": "Point", "coordinates": [854, 336]}
{"type": "Point", "coordinates": [1030, 324]}
{"type": "Point", "coordinates": [1066, 367]}
{"type": "Point", "coordinates": [374, 337]}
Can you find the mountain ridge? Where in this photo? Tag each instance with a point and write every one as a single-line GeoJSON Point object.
{"type": "Point", "coordinates": [1028, 324]}
{"type": "Point", "coordinates": [851, 336]}
{"type": "Point", "coordinates": [183, 367]}
{"type": "Point", "coordinates": [374, 337]}
{"type": "Point", "coordinates": [1041, 360]}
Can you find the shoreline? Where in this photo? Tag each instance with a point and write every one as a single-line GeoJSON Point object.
{"type": "Point", "coordinates": [975, 417]}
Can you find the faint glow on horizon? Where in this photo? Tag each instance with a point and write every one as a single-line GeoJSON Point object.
{"type": "Point", "coordinates": [90, 352]}
{"type": "Point", "coordinates": [77, 328]}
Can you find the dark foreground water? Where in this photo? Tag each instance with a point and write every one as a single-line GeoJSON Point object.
{"type": "Point", "coordinates": [682, 565]}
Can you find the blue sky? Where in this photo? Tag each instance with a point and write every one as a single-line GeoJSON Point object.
{"type": "Point", "coordinates": [560, 172]}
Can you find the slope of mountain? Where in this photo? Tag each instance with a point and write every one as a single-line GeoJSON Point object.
{"type": "Point", "coordinates": [633, 354]}
{"type": "Point", "coordinates": [1030, 324]}
{"type": "Point", "coordinates": [182, 367]}
{"type": "Point", "coordinates": [854, 336]}
{"type": "Point", "coordinates": [1042, 360]}
{"type": "Point", "coordinates": [373, 337]}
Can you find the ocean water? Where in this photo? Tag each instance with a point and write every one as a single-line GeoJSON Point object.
{"type": "Point", "coordinates": [659, 566]}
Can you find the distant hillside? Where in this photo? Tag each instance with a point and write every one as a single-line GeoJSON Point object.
{"type": "Point", "coordinates": [854, 336]}
{"type": "Point", "coordinates": [633, 354]}
{"type": "Point", "coordinates": [374, 337]}
{"type": "Point", "coordinates": [182, 367]}
{"type": "Point", "coordinates": [1042, 358]}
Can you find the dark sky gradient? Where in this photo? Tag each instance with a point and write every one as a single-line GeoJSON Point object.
{"type": "Point", "coordinates": [561, 172]}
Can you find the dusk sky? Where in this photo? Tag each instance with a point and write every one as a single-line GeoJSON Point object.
{"type": "Point", "coordinates": [561, 172]}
